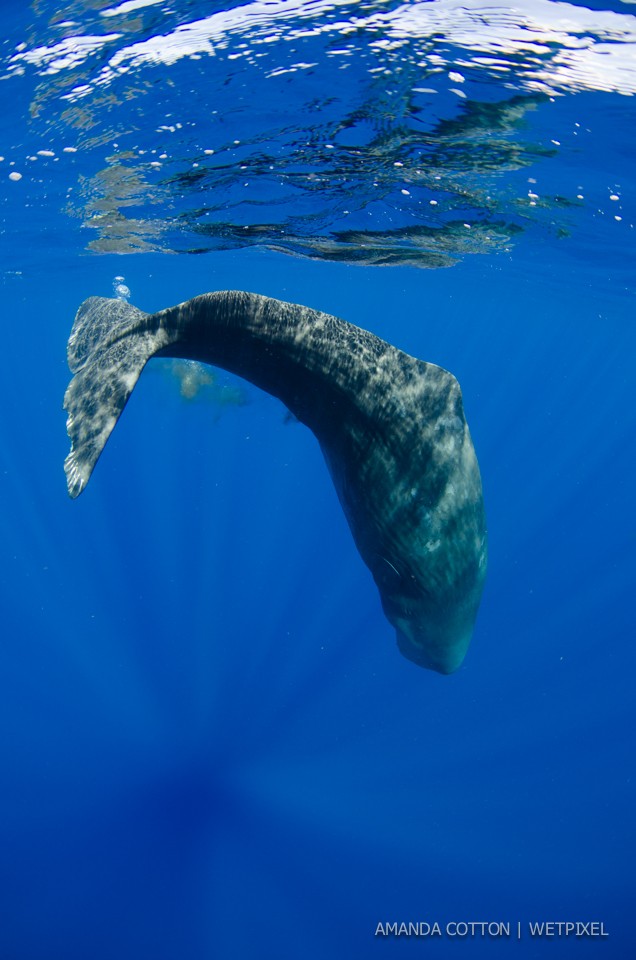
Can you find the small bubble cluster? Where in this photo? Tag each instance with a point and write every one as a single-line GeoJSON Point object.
{"type": "Point", "coordinates": [121, 291]}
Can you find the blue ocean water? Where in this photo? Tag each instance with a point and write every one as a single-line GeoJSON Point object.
{"type": "Point", "coordinates": [210, 744]}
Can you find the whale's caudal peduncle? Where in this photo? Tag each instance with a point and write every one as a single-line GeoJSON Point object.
{"type": "Point", "coordinates": [391, 427]}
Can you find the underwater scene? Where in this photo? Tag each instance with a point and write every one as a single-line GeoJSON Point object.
{"type": "Point", "coordinates": [330, 652]}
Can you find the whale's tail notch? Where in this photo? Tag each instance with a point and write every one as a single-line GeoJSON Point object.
{"type": "Point", "coordinates": [109, 346]}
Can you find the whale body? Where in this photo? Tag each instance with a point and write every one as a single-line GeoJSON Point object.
{"type": "Point", "coordinates": [391, 427]}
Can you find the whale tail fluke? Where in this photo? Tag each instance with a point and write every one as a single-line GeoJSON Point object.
{"type": "Point", "coordinates": [109, 346]}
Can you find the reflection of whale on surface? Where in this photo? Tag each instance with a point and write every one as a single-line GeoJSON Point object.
{"type": "Point", "coordinates": [391, 428]}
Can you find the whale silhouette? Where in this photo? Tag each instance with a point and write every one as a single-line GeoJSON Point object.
{"type": "Point", "coordinates": [391, 428]}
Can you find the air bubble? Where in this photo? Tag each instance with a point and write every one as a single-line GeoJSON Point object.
{"type": "Point", "coordinates": [121, 291]}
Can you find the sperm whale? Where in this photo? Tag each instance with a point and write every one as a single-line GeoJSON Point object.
{"type": "Point", "coordinates": [391, 428]}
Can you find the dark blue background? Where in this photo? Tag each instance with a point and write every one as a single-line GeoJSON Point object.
{"type": "Point", "coordinates": [211, 744]}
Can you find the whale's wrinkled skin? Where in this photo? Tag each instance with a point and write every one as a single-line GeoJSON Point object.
{"type": "Point", "coordinates": [391, 427]}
